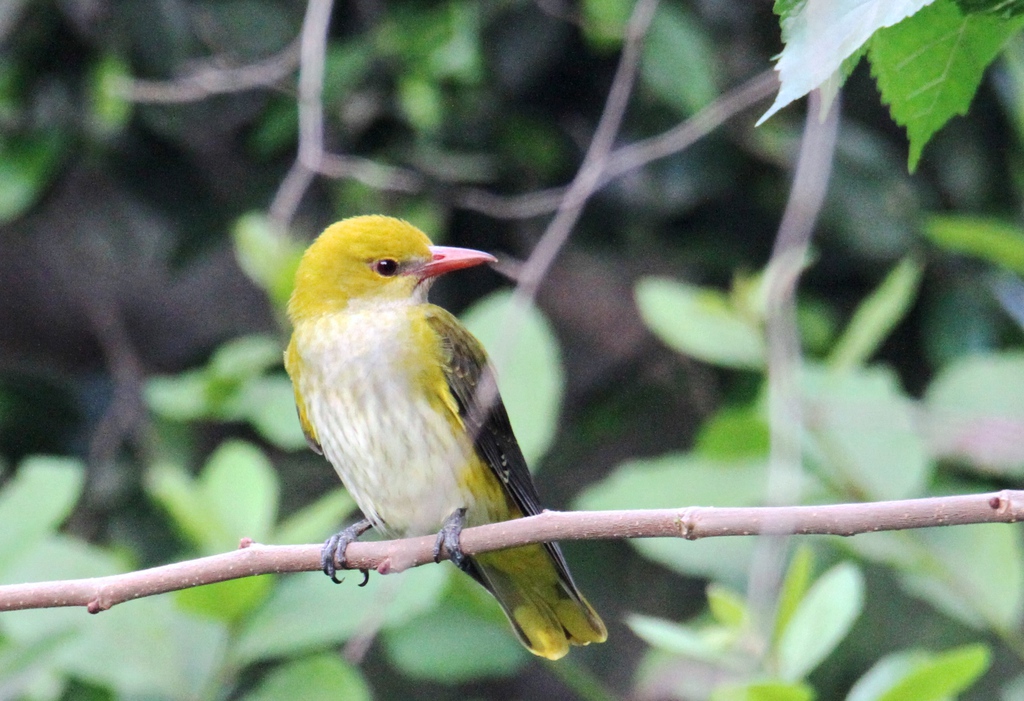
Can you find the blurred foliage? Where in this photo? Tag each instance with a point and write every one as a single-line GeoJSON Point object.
{"type": "Point", "coordinates": [145, 278]}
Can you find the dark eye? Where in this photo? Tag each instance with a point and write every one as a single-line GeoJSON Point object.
{"type": "Point", "coordinates": [386, 267]}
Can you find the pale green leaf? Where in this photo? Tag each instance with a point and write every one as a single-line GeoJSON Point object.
{"type": "Point", "coordinates": [324, 676]}
{"type": "Point", "coordinates": [700, 322]}
{"type": "Point", "coordinates": [35, 502]}
{"type": "Point", "coordinates": [877, 316]}
{"type": "Point", "coordinates": [794, 587]}
{"type": "Point", "coordinates": [993, 240]}
{"type": "Point", "coordinates": [529, 367]}
{"type": "Point", "coordinates": [675, 481]}
{"type": "Point", "coordinates": [315, 522]}
{"type": "Point", "coordinates": [708, 644]}
{"type": "Point", "coordinates": [821, 621]}
{"type": "Point", "coordinates": [728, 607]}
{"type": "Point", "coordinates": [941, 676]}
{"type": "Point", "coordinates": [864, 433]}
{"type": "Point", "coordinates": [975, 412]}
{"type": "Point", "coordinates": [676, 63]}
{"type": "Point", "coordinates": [240, 488]}
{"type": "Point", "coordinates": [763, 691]}
{"type": "Point", "coordinates": [820, 34]}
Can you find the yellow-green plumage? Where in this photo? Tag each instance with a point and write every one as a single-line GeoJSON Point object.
{"type": "Point", "coordinates": [382, 383]}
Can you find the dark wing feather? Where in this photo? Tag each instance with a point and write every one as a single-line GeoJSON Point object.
{"type": "Point", "coordinates": [465, 369]}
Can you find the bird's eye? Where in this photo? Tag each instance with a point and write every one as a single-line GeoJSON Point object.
{"type": "Point", "coordinates": [386, 267]}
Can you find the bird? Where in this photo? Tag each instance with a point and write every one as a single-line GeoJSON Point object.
{"type": "Point", "coordinates": [385, 386]}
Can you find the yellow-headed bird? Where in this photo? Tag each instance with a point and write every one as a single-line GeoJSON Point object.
{"type": "Point", "coordinates": [384, 385]}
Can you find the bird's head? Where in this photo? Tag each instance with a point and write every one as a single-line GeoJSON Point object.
{"type": "Point", "coordinates": [371, 258]}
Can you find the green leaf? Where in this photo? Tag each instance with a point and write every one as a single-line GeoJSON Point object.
{"type": "Point", "coordinates": [820, 36]}
{"type": "Point", "coordinates": [604, 21]}
{"type": "Point", "coordinates": [180, 397]}
{"type": "Point", "coordinates": [929, 66]}
{"type": "Point", "coordinates": [529, 368]}
{"type": "Point", "coordinates": [226, 601]}
{"type": "Point", "coordinates": [26, 166]}
{"type": "Point", "coordinates": [35, 502]}
{"type": "Point", "coordinates": [763, 691]}
{"type": "Point", "coordinates": [244, 357]}
{"type": "Point", "coordinates": [975, 412]}
{"type": "Point", "coordinates": [307, 611]}
{"type": "Point", "coordinates": [700, 322]}
{"type": "Point", "coordinates": [268, 403]}
{"type": "Point", "coordinates": [676, 64]}
{"type": "Point", "coordinates": [914, 675]}
{"type": "Point", "coordinates": [109, 108]}
{"type": "Point", "coordinates": [865, 433]}
{"type": "Point", "coordinates": [674, 481]}
{"type": "Point", "coordinates": [267, 256]}
{"type": "Point", "coordinates": [877, 316]}
{"type": "Point", "coordinates": [240, 488]}
{"type": "Point", "coordinates": [821, 621]}
{"type": "Point", "coordinates": [318, 677]}
{"type": "Point", "coordinates": [733, 433]}
{"type": "Point", "coordinates": [452, 646]}
{"type": "Point", "coordinates": [992, 240]}
{"type": "Point", "coordinates": [174, 490]}
{"type": "Point", "coordinates": [728, 607]}
{"type": "Point", "coordinates": [794, 587]}
{"type": "Point", "coordinates": [315, 521]}
{"type": "Point", "coordinates": [707, 645]}
{"type": "Point", "coordinates": [956, 575]}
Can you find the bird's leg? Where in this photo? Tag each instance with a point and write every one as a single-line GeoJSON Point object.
{"type": "Point", "coordinates": [450, 537]}
{"type": "Point", "coordinates": [332, 556]}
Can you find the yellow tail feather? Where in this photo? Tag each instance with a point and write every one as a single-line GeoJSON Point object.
{"type": "Point", "coordinates": [547, 612]}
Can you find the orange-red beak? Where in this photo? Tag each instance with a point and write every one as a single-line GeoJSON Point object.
{"type": "Point", "coordinates": [448, 258]}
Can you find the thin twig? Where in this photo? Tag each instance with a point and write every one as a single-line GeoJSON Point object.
{"type": "Point", "coordinates": [627, 158]}
{"type": "Point", "coordinates": [785, 422]}
{"type": "Point", "coordinates": [100, 593]}
{"type": "Point", "coordinates": [213, 78]}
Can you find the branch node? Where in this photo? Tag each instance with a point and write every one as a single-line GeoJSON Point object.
{"type": "Point", "coordinates": [686, 523]}
{"type": "Point", "coordinates": [97, 605]}
{"type": "Point", "coordinates": [245, 543]}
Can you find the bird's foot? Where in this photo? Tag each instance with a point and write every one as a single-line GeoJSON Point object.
{"type": "Point", "coordinates": [450, 537]}
{"type": "Point", "coordinates": [332, 556]}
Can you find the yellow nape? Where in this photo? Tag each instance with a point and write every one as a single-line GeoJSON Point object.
{"type": "Point", "coordinates": [338, 266]}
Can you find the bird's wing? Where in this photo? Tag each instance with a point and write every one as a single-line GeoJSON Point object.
{"type": "Point", "coordinates": [466, 369]}
{"type": "Point", "coordinates": [293, 366]}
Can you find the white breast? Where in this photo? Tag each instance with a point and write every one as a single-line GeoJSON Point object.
{"type": "Point", "coordinates": [396, 455]}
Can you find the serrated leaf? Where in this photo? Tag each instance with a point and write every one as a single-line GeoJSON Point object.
{"type": "Point", "coordinates": [929, 66]}
{"type": "Point", "coordinates": [877, 316]}
{"type": "Point", "coordinates": [700, 322]}
{"type": "Point", "coordinates": [821, 621]}
{"type": "Point", "coordinates": [820, 34]}
{"type": "Point", "coordinates": [529, 368]}
{"type": "Point", "coordinates": [998, 242]}
{"type": "Point", "coordinates": [319, 677]}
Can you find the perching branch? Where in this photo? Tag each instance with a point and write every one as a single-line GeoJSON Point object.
{"type": "Point", "coordinates": [100, 593]}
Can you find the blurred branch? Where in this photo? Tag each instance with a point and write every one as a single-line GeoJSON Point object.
{"type": "Point", "coordinates": [692, 523]}
{"type": "Point", "coordinates": [785, 421]}
{"type": "Point", "coordinates": [631, 157]}
{"type": "Point", "coordinates": [213, 78]}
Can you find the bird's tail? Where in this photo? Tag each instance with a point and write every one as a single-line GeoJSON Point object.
{"type": "Point", "coordinates": [534, 588]}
